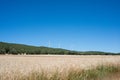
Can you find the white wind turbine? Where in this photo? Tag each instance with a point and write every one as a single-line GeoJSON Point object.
{"type": "Point", "coordinates": [49, 43]}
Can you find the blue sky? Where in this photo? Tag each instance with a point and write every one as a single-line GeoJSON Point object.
{"type": "Point", "coordinates": [82, 25]}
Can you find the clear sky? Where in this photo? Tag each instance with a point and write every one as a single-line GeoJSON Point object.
{"type": "Point", "coordinates": [82, 25]}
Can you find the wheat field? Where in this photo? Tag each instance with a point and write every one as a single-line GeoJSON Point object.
{"type": "Point", "coordinates": [13, 65]}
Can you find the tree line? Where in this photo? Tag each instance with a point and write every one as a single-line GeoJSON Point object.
{"type": "Point", "coordinates": [10, 48]}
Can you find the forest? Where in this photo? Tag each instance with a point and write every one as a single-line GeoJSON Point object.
{"type": "Point", "coordinates": [21, 49]}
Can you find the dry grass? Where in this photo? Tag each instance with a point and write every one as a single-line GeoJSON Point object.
{"type": "Point", "coordinates": [56, 67]}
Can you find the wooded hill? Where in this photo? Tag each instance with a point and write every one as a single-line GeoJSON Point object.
{"type": "Point", "coordinates": [12, 48]}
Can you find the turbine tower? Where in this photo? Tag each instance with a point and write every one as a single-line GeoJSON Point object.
{"type": "Point", "coordinates": [49, 43]}
{"type": "Point", "coordinates": [59, 45]}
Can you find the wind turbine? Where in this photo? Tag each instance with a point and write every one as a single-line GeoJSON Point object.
{"type": "Point", "coordinates": [59, 45]}
{"type": "Point", "coordinates": [49, 43]}
{"type": "Point", "coordinates": [71, 47]}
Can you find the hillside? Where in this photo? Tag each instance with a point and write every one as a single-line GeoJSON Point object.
{"type": "Point", "coordinates": [12, 48]}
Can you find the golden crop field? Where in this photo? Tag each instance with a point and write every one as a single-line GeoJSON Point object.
{"type": "Point", "coordinates": [13, 65]}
